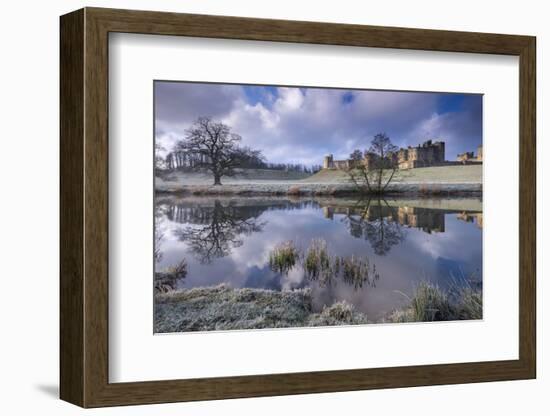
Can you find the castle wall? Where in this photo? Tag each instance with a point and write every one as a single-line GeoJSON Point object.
{"type": "Point", "coordinates": [427, 154]}
{"type": "Point", "coordinates": [466, 157]}
{"type": "Point", "coordinates": [424, 155]}
{"type": "Point", "coordinates": [330, 163]}
{"type": "Point", "coordinates": [341, 164]}
{"type": "Point", "coordinates": [426, 219]}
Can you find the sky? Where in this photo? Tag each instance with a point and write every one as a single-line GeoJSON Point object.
{"type": "Point", "coordinates": [302, 125]}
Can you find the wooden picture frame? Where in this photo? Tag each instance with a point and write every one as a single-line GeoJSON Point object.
{"type": "Point", "coordinates": [84, 207]}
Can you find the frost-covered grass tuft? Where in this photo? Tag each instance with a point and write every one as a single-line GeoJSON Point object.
{"type": "Point", "coordinates": [340, 313]}
{"type": "Point", "coordinates": [430, 303]}
{"type": "Point", "coordinates": [223, 308]}
{"type": "Point", "coordinates": [471, 304]}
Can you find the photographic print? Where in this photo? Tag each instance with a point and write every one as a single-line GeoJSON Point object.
{"type": "Point", "coordinates": [295, 206]}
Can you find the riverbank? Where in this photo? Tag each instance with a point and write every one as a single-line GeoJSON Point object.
{"type": "Point", "coordinates": [447, 180]}
{"type": "Point", "coordinates": [452, 203]}
{"type": "Point", "coordinates": [224, 308]}
{"type": "Point", "coordinates": [321, 189]}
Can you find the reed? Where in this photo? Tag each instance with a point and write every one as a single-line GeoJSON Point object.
{"type": "Point", "coordinates": [284, 257]}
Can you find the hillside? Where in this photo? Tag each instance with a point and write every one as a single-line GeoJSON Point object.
{"type": "Point", "coordinates": [243, 175]}
{"type": "Point", "coordinates": [440, 174]}
{"type": "Point", "coordinates": [434, 180]}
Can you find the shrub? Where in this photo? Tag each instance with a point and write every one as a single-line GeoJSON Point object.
{"type": "Point", "coordinates": [166, 280]}
{"type": "Point", "coordinates": [179, 271]}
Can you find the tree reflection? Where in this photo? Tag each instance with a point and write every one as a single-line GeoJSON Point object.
{"type": "Point", "coordinates": [158, 234]}
{"type": "Point", "coordinates": [377, 223]}
{"type": "Point", "coordinates": [217, 229]}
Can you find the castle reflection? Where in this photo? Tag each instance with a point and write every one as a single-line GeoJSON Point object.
{"type": "Point", "coordinates": [383, 224]}
{"type": "Point", "coordinates": [426, 219]}
{"type": "Point", "coordinates": [476, 217]}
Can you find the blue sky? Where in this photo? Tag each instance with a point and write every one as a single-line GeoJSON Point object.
{"type": "Point", "coordinates": [301, 125]}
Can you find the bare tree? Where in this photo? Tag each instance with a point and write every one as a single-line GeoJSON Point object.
{"type": "Point", "coordinates": [217, 147]}
{"type": "Point", "coordinates": [384, 159]}
{"type": "Point", "coordinates": [373, 171]}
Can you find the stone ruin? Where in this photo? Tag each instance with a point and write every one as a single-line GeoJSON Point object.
{"type": "Point", "coordinates": [429, 153]}
{"type": "Point", "coordinates": [470, 157]}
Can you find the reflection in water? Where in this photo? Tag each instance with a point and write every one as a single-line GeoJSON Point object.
{"type": "Point", "coordinates": [159, 234]}
{"type": "Point", "coordinates": [476, 217]}
{"type": "Point", "coordinates": [376, 222]}
{"type": "Point", "coordinates": [221, 228]}
{"type": "Point", "coordinates": [231, 240]}
{"type": "Point", "coordinates": [319, 265]}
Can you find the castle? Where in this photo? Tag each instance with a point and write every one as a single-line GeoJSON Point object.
{"type": "Point", "coordinates": [421, 156]}
{"type": "Point", "coordinates": [429, 153]}
{"type": "Point", "coordinates": [470, 157]}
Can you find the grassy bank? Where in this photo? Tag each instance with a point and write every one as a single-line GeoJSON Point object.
{"type": "Point", "coordinates": [447, 180]}
{"type": "Point", "coordinates": [224, 308]}
{"type": "Point", "coordinates": [435, 174]}
{"type": "Point", "coordinates": [318, 189]}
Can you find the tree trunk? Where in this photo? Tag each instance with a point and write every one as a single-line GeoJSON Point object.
{"type": "Point", "coordinates": [217, 179]}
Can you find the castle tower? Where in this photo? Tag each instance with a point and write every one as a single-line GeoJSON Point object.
{"type": "Point", "coordinates": [328, 162]}
{"type": "Point", "coordinates": [441, 152]}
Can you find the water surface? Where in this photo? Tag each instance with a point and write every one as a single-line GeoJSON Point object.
{"type": "Point", "coordinates": [228, 240]}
